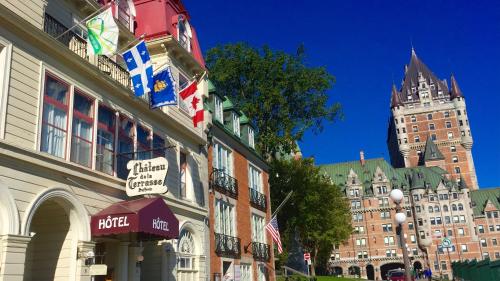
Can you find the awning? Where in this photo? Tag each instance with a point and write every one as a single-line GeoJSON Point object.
{"type": "Point", "coordinates": [147, 216]}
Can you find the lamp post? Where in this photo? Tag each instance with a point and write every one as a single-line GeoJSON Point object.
{"type": "Point", "coordinates": [397, 196]}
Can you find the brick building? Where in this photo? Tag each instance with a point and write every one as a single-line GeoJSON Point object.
{"type": "Point", "coordinates": [424, 107]}
{"type": "Point", "coordinates": [239, 202]}
{"type": "Point", "coordinates": [430, 145]}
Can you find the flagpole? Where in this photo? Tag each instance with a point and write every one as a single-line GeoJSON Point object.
{"type": "Point", "coordinates": [128, 44]}
{"type": "Point", "coordinates": [86, 18]}
{"type": "Point", "coordinates": [282, 203]}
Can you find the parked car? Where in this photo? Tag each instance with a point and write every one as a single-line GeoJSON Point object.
{"type": "Point", "coordinates": [397, 275]}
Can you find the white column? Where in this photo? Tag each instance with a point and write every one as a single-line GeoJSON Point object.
{"type": "Point", "coordinates": [13, 256]}
{"type": "Point", "coordinates": [122, 264]}
{"type": "Point", "coordinates": [134, 270]}
{"type": "Point", "coordinates": [82, 270]}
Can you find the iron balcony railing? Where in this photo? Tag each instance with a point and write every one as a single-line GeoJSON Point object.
{"type": "Point", "coordinates": [257, 199]}
{"type": "Point", "coordinates": [224, 183]}
{"type": "Point", "coordinates": [261, 251]}
{"type": "Point", "coordinates": [78, 45]}
{"type": "Point", "coordinates": [227, 246]}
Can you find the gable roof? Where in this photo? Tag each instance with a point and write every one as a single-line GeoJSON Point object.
{"type": "Point", "coordinates": [480, 198]}
{"type": "Point", "coordinates": [432, 151]}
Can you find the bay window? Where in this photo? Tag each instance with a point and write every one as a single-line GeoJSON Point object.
{"type": "Point", "coordinates": [143, 143]}
{"type": "Point", "coordinates": [82, 137]}
{"type": "Point", "coordinates": [125, 146]}
{"type": "Point", "coordinates": [55, 117]}
{"type": "Point", "coordinates": [105, 150]}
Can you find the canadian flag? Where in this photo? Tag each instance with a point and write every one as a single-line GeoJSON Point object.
{"type": "Point", "coordinates": [192, 99]}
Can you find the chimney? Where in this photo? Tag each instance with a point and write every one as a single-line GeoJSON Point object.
{"type": "Point", "coordinates": [362, 157]}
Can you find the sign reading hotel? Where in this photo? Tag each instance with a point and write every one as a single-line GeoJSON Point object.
{"type": "Point", "coordinates": [146, 176]}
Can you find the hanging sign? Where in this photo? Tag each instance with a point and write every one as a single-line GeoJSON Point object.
{"type": "Point", "coordinates": [147, 176]}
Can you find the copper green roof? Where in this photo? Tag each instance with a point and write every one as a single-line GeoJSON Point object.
{"type": "Point", "coordinates": [481, 196]}
{"type": "Point", "coordinates": [431, 151]}
{"type": "Point", "coordinates": [211, 87]}
{"type": "Point", "coordinates": [405, 178]}
{"type": "Point", "coordinates": [228, 104]}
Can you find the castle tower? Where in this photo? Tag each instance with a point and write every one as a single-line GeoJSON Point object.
{"type": "Point", "coordinates": [425, 107]}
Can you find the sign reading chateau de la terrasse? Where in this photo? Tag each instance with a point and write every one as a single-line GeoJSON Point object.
{"type": "Point", "coordinates": [146, 176]}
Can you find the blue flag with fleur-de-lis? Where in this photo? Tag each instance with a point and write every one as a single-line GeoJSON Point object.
{"type": "Point", "coordinates": [140, 68]}
{"type": "Point", "coordinates": [163, 92]}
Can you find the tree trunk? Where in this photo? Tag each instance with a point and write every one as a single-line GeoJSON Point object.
{"type": "Point", "coordinates": [313, 262]}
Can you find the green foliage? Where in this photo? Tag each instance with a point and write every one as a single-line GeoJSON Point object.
{"type": "Point", "coordinates": [317, 209]}
{"type": "Point", "coordinates": [277, 91]}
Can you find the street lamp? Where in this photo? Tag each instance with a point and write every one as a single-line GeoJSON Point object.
{"type": "Point", "coordinates": [397, 196]}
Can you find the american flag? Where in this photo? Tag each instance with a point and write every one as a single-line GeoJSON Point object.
{"type": "Point", "coordinates": [272, 228]}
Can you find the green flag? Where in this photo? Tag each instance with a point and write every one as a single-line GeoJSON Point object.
{"type": "Point", "coordinates": [102, 34]}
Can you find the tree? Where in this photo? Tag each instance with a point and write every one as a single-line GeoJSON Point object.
{"type": "Point", "coordinates": [278, 92]}
{"type": "Point", "coordinates": [317, 209]}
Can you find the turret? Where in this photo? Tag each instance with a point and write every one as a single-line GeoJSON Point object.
{"type": "Point", "coordinates": [455, 90]}
{"type": "Point", "coordinates": [395, 99]}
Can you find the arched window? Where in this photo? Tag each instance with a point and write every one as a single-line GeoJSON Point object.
{"type": "Point", "coordinates": [436, 209]}
{"type": "Point", "coordinates": [186, 249]}
{"type": "Point", "coordinates": [453, 207]}
{"type": "Point", "coordinates": [445, 208]}
{"type": "Point", "coordinates": [460, 207]}
{"type": "Point", "coordinates": [430, 209]}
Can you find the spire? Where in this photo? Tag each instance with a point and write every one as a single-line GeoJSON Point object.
{"type": "Point", "coordinates": [417, 180]}
{"type": "Point", "coordinates": [455, 90]}
{"type": "Point", "coordinates": [431, 151]}
{"type": "Point", "coordinates": [395, 99]}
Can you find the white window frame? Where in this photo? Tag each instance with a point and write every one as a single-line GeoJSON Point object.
{"type": "Point", "coordinates": [236, 124]}
{"type": "Point", "coordinates": [228, 169]}
{"type": "Point", "coordinates": [258, 225]}
{"type": "Point", "coordinates": [225, 218]}
{"type": "Point", "coordinates": [246, 272]}
{"type": "Point", "coordinates": [255, 178]}
{"type": "Point", "coordinates": [219, 109]}
{"type": "Point", "coordinates": [5, 65]}
{"type": "Point", "coordinates": [251, 137]}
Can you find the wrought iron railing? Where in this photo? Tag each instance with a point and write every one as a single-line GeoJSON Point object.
{"type": "Point", "coordinates": [261, 251]}
{"type": "Point", "coordinates": [257, 199]}
{"type": "Point", "coordinates": [224, 183]}
{"type": "Point", "coordinates": [78, 45]}
{"type": "Point", "coordinates": [227, 246]}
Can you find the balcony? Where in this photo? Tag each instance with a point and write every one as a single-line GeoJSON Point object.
{"type": "Point", "coordinates": [224, 183]}
{"type": "Point", "coordinates": [78, 45]}
{"type": "Point", "coordinates": [261, 251]}
{"type": "Point", "coordinates": [227, 246]}
{"type": "Point", "coordinates": [257, 199]}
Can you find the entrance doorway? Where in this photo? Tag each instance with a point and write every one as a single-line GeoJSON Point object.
{"type": "Point", "coordinates": [370, 272]}
{"type": "Point", "coordinates": [388, 266]}
{"type": "Point", "coordinates": [354, 270]}
{"type": "Point", "coordinates": [51, 253]}
{"type": "Point", "coordinates": [337, 271]}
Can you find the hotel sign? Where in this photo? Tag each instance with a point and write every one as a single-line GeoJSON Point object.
{"type": "Point", "coordinates": [147, 176]}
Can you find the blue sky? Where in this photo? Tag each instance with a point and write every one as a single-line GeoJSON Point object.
{"type": "Point", "coordinates": [365, 45]}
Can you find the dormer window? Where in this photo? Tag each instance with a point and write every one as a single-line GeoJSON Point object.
{"type": "Point", "coordinates": [251, 137]}
{"type": "Point", "coordinates": [236, 124]}
{"type": "Point", "coordinates": [219, 110]}
{"type": "Point", "coordinates": [184, 33]}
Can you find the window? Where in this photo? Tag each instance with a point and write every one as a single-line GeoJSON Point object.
{"type": "Point", "coordinates": [251, 137]}
{"type": "Point", "coordinates": [356, 204]}
{"type": "Point", "coordinates": [462, 133]}
{"type": "Point", "coordinates": [417, 139]}
{"type": "Point", "coordinates": [491, 228]}
{"type": "Point", "coordinates": [219, 110]}
{"type": "Point", "coordinates": [455, 219]}
{"type": "Point", "coordinates": [450, 135]}
{"type": "Point", "coordinates": [462, 219]}
{"type": "Point", "coordinates": [402, 120]}
{"type": "Point", "coordinates": [404, 130]}
{"type": "Point", "coordinates": [254, 179]}
{"type": "Point", "coordinates": [105, 150]}
{"type": "Point", "coordinates": [357, 217]}
{"type": "Point", "coordinates": [453, 148]}
{"type": "Point", "coordinates": [222, 158]}
{"type": "Point", "coordinates": [457, 170]}
{"type": "Point", "coordinates": [453, 207]}
{"type": "Point", "coordinates": [415, 128]}
{"type": "Point", "coordinates": [444, 266]}
{"type": "Point", "coordinates": [494, 242]}
{"type": "Point", "coordinates": [460, 207]}
{"type": "Point", "coordinates": [459, 113]}
{"type": "Point", "coordinates": [184, 33]}
{"type": "Point", "coordinates": [183, 174]}
{"type": "Point", "coordinates": [429, 116]}
{"type": "Point", "coordinates": [126, 132]}
{"type": "Point", "coordinates": [246, 272]}
{"type": "Point", "coordinates": [450, 232]}
{"type": "Point", "coordinates": [460, 122]}
{"type": "Point", "coordinates": [433, 137]}
{"type": "Point", "coordinates": [483, 243]}
{"type": "Point", "coordinates": [417, 209]}
{"type": "Point", "coordinates": [455, 195]}
{"type": "Point", "coordinates": [410, 225]}
{"type": "Point", "coordinates": [405, 140]}
{"type": "Point", "coordinates": [438, 220]}
{"type": "Point", "coordinates": [413, 239]}
{"type": "Point", "coordinates": [55, 117]}
{"type": "Point", "coordinates": [236, 124]}
{"type": "Point", "coordinates": [436, 208]}
{"type": "Point", "coordinates": [447, 219]}
{"type": "Point", "coordinates": [389, 240]}
{"type": "Point", "coordinates": [82, 137]}
{"type": "Point", "coordinates": [486, 255]}
{"type": "Point", "coordinates": [385, 215]}
{"type": "Point", "coordinates": [445, 208]}
{"type": "Point", "coordinates": [158, 146]}
{"type": "Point", "coordinates": [224, 218]}
{"type": "Point", "coordinates": [413, 119]}
{"type": "Point", "coordinates": [432, 127]}
{"type": "Point", "coordinates": [258, 226]}
{"type": "Point", "coordinates": [421, 234]}
{"type": "Point", "coordinates": [387, 227]}
{"type": "Point", "coordinates": [384, 201]}
{"type": "Point", "coordinates": [143, 143]}
{"type": "Point", "coordinates": [433, 220]}
{"type": "Point", "coordinates": [461, 232]}
{"type": "Point", "coordinates": [359, 229]}
{"type": "Point", "coordinates": [361, 242]}
{"type": "Point", "coordinates": [186, 250]}
{"type": "Point", "coordinates": [498, 227]}
{"type": "Point", "coordinates": [446, 114]}
{"type": "Point", "coordinates": [497, 255]}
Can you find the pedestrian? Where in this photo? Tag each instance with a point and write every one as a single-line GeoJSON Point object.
{"type": "Point", "coordinates": [430, 274]}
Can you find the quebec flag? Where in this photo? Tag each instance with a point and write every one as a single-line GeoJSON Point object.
{"type": "Point", "coordinates": [140, 68]}
{"type": "Point", "coordinates": [163, 90]}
